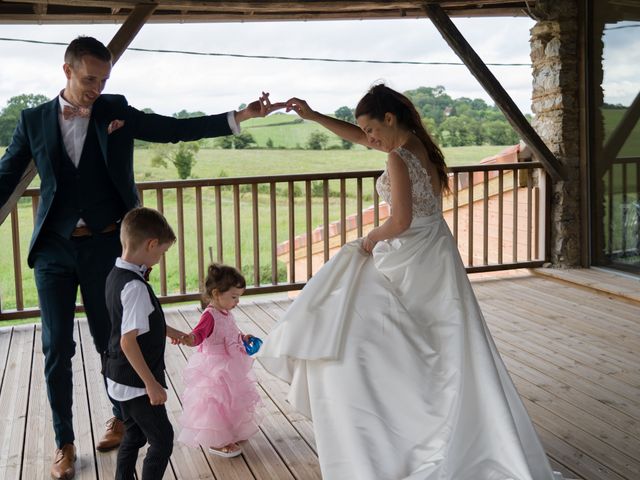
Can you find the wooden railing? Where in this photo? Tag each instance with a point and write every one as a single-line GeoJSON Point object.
{"type": "Point", "coordinates": [280, 229]}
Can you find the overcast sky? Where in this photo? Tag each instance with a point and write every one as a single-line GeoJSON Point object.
{"type": "Point", "coordinates": [168, 83]}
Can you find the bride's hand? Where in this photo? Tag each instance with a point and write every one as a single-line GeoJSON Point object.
{"type": "Point", "coordinates": [368, 244]}
{"type": "Point", "coordinates": [301, 107]}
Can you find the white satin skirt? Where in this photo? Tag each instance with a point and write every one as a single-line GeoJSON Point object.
{"type": "Point", "coordinates": [390, 356]}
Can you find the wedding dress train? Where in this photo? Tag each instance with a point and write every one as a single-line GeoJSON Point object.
{"type": "Point", "coordinates": [391, 358]}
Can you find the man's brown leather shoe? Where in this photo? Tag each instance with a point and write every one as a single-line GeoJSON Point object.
{"type": "Point", "coordinates": [63, 463]}
{"type": "Point", "coordinates": [113, 436]}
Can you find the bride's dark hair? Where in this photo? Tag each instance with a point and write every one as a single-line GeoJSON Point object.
{"type": "Point", "coordinates": [381, 99]}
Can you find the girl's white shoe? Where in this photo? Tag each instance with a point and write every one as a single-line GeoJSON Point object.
{"type": "Point", "coordinates": [231, 450]}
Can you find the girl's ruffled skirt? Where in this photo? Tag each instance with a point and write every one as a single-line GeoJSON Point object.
{"type": "Point", "coordinates": [220, 400]}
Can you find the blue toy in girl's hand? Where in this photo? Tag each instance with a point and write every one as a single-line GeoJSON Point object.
{"type": "Point", "coordinates": [252, 344]}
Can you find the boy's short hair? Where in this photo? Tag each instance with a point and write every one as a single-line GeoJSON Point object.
{"type": "Point", "coordinates": [82, 46]}
{"type": "Point", "coordinates": [142, 224]}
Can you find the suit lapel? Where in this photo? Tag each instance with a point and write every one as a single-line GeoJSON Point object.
{"type": "Point", "coordinates": [101, 133]}
{"type": "Point", "coordinates": [51, 133]}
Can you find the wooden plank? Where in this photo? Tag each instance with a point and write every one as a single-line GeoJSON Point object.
{"type": "Point", "coordinates": [565, 325]}
{"type": "Point", "coordinates": [85, 447]}
{"type": "Point", "coordinates": [564, 452]}
{"type": "Point", "coordinates": [628, 393]}
{"type": "Point", "coordinates": [248, 317]}
{"type": "Point", "coordinates": [297, 453]}
{"type": "Point", "coordinates": [619, 308]}
{"type": "Point", "coordinates": [491, 85]}
{"type": "Point", "coordinates": [592, 279]}
{"type": "Point", "coordinates": [14, 400]}
{"type": "Point", "coordinates": [558, 467]}
{"type": "Point", "coordinates": [597, 314]}
{"type": "Point", "coordinates": [40, 442]}
{"type": "Point", "coordinates": [582, 314]}
{"type": "Point", "coordinates": [283, 304]}
{"type": "Point", "coordinates": [563, 375]}
{"type": "Point", "coordinates": [600, 355]}
{"type": "Point", "coordinates": [99, 403]}
{"type": "Point", "coordinates": [5, 342]}
{"type": "Point", "coordinates": [593, 357]}
{"type": "Point", "coordinates": [185, 462]}
{"type": "Point", "coordinates": [579, 419]}
{"type": "Point", "coordinates": [579, 400]}
{"type": "Point", "coordinates": [259, 313]}
{"type": "Point", "coordinates": [617, 464]}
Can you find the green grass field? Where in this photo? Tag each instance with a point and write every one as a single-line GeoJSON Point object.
{"type": "Point", "coordinates": [611, 118]}
{"type": "Point", "coordinates": [236, 163]}
{"type": "Point", "coordinates": [213, 163]}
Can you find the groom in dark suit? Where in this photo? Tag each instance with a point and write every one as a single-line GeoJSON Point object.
{"type": "Point", "coordinates": [82, 146]}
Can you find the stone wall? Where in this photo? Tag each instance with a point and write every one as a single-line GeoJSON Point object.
{"type": "Point", "coordinates": [554, 54]}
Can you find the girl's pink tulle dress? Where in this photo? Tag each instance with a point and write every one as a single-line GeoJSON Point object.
{"type": "Point", "coordinates": [220, 399]}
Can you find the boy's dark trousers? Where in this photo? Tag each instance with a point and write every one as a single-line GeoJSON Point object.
{"type": "Point", "coordinates": [144, 423]}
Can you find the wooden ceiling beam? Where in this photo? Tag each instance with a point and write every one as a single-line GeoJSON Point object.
{"type": "Point", "coordinates": [497, 92]}
{"type": "Point", "coordinates": [349, 9]}
{"type": "Point", "coordinates": [40, 8]}
{"type": "Point", "coordinates": [177, 16]}
{"type": "Point", "coordinates": [130, 28]}
{"type": "Point", "coordinates": [278, 6]}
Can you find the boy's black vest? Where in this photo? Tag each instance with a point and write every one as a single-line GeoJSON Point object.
{"type": "Point", "coordinates": [152, 343]}
{"type": "Point", "coordinates": [85, 192]}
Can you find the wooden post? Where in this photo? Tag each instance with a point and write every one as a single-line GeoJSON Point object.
{"type": "Point", "coordinates": [129, 29]}
{"type": "Point", "coordinates": [491, 85]}
{"type": "Point", "coordinates": [127, 32]}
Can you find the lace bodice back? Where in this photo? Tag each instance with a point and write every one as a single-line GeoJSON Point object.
{"type": "Point", "coordinates": [424, 201]}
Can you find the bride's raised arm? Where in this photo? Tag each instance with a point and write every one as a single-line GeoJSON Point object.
{"type": "Point", "coordinates": [343, 129]}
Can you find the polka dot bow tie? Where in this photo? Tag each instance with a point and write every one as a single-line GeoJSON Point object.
{"type": "Point", "coordinates": [69, 112]}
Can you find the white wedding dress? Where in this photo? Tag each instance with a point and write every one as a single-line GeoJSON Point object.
{"type": "Point", "coordinates": [390, 356]}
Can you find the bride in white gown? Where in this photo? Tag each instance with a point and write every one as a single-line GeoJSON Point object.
{"type": "Point", "coordinates": [386, 348]}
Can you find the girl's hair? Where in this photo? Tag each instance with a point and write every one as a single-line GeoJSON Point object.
{"type": "Point", "coordinates": [222, 278]}
{"type": "Point", "coordinates": [381, 99]}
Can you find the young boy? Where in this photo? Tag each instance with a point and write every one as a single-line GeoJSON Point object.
{"type": "Point", "coordinates": [134, 364]}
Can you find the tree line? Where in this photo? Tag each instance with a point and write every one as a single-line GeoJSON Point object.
{"type": "Point", "coordinates": [451, 121]}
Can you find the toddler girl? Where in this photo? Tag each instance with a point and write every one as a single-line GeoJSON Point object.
{"type": "Point", "coordinates": [220, 396]}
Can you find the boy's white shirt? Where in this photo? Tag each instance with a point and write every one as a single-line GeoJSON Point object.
{"type": "Point", "coordinates": [136, 308]}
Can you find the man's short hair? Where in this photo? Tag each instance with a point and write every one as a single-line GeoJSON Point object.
{"type": "Point", "coordinates": [82, 46]}
{"type": "Point", "coordinates": [142, 224]}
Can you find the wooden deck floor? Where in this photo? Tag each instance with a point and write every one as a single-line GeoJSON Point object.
{"type": "Point", "coordinates": [573, 354]}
